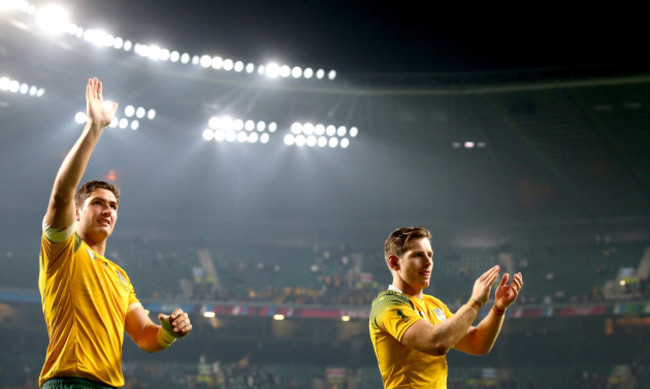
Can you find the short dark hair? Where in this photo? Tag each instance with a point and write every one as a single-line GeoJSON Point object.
{"type": "Point", "coordinates": [87, 188]}
{"type": "Point", "coordinates": [398, 240]}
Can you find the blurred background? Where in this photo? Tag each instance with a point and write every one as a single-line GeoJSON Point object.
{"type": "Point", "coordinates": [266, 149]}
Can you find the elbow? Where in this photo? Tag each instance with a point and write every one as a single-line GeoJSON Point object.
{"type": "Point", "coordinates": [438, 350]}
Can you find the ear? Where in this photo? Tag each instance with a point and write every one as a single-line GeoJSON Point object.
{"type": "Point", "coordinates": [393, 262]}
{"type": "Point", "coordinates": [76, 213]}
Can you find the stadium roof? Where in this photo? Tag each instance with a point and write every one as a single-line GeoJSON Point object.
{"type": "Point", "coordinates": [556, 109]}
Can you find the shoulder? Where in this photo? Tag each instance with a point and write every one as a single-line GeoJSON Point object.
{"type": "Point", "coordinates": [389, 299]}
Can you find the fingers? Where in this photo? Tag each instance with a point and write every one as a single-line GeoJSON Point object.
{"type": "Point", "coordinates": [504, 279]}
{"type": "Point", "coordinates": [180, 322]}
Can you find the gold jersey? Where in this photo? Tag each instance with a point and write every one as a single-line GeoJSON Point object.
{"type": "Point", "coordinates": [392, 313]}
{"type": "Point", "coordinates": [85, 299]}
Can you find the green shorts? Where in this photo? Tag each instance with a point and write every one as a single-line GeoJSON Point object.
{"type": "Point", "coordinates": [73, 383]}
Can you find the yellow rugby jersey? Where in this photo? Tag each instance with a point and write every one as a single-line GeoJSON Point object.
{"type": "Point", "coordinates": [85, 298]}
{"type": "Point", "coordinates": [392, 313]}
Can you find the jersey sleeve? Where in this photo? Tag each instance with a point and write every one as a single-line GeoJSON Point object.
{"type": "Point", "coordinates": [395, 314]}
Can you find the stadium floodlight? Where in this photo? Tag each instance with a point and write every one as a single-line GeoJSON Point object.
{"type": "Point", "coordinates": [174, 56]}
{"type": "Point", "coordinates": [185, 58]}
{"type": "Point", "coordinates": [231, 135]}
{"type": "Point", "coordinates": [272, 127]}
{"type": "Point", "coordinates": [80, 118]}
{"type": "Point", "coordinates": [277, 316]}
{"type": "Point", "coordinates": [250, 68]}
{"type": "Point", "coordinates": [296, 128]}
{"type": "Point", "coordinates": [345, 318]}
{"type": "Point", "coordinates": [242, 137]}
{"type": "Point", "coordinates": [261, 125]}
{"type": "Point", "coordinates": [333, 142]}
{"type": "Point", "coordinates": [341, 131]}
{"type": "Point", "coordinates": [308, 73]}
{"type": "Point", "coordinates": [217, 62]}
{"type": "Point", "coordinates": [308, 128]}
{"type": "Point", "coordinates": [239, 66]}
{"type": "Point", "coordinates": [345, 142]}
{"type": "Point", "coordinates": [253, 137]}
{"type": "Point", "coordinates": [238, 124]}
{"type": "Point", "coordinates": [140, 112]}
{"type": "Point", "coordinates": [129, 110]}
{"type": "Point", "coordinates": [128, 45]}
{"type": "Point", "coordinates": [214, 122]}
{"type": "Point", "coordinates": [320, 73]}
{"type": "Point", "coordinates": [469, 145]}
{"type": "Point", "coordinates": [113, 122]}
{"type": "Point", "coordinates": [164, 54]}
{"type": "Point", "coordinates": [353, 132]}
{"type": "Point", "coordinates": [319, 129]}
{"type": "Point", "coordinates": [228, 64]}
{"type": "Point", "coordinates": [311, 141]}
{"type": "Point", "coordinates": [135, 125]}
{"type": "Point", "coordinates": [330, 130]}
{"type": "Point", "coordinates": [205, 61]}
{"type": "Point", "coordinates": [300, 140]}
{"type": "Point", "coordinates": [123, 123]}
{"type": "Point", "coordinates": [208, 134]}
{"type": "Point", "coordinates": [272, 70]}
{"type": "Point", "coordinates": [249, 125]}
{"type": "Point", "coordinates": [331, 75]}
{"type": "Point", "coordinates": [151, 114]}
{"type": "Point", "coordinates": [118, 43]}
{"type": "Point", "coordinates": [264, 138]}
{"type": "Point", "coordinates": [296, 72]}
{"type": "Point", "coordinates": [322, 141]}
{"type": "Point", "coordinates": [209, 315]}
{"type": "Point", "coordinates": [219, 135]}
{"type": "Point", "coordinates": [52, 19]}
{"type": "Point", "coordinates": [285, 71]}
{"type": "Point", "coordinates": [24, 88]}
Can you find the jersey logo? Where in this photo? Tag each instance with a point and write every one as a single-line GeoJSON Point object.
{"type": "Point", "coordinates": [121, 277]}
{"type": "Point", "coordinates": [92, 255]}
{"type": "Point", "coordinates": [440, 314]}
{"type": "Point", "coordinates": [402, 315]}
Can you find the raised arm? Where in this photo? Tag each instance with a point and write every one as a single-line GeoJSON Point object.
{"type": "Point", "coordinates": [60, 211]}
{"type": "Point", "coordinates": [480, 339]}
{"type": "Point", "coordinates": [438, 339]}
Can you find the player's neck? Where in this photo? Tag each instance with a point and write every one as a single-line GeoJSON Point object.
{"type": "Point", "coordinates": [407, 289]}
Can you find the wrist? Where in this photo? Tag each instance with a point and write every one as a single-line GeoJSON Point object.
{"type": "Point", "coordinates": [499, 311]}
{"type": "Point", "coordinates": [474, 303]}
{"type": "Point", "coordinates": [165, 339]}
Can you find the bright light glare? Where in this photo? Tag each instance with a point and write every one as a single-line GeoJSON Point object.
{"type": "Point", "coordinates": [52, 19]}
{"type": "Point", "coordinates": [345, 143]}
{"type": "Point", "coordinates": [331, 75]}
{"type": "Point", "coordinates": [209, 314]}
{"type": "Point", "coordinates": [135, 125]}
{"type": "Point", "coordinates": [345, 318]}
{"type": "Point", "coordinates": [264, 138]}
{"type": "Point", "coordinates": [278, 317]}
{"type": "Point", "coordinates": [80, 118]}
{"type": "Point", "coordinates": [208, 134]}
{"type": "Point", "coordinates": [129, 111]}
{"type": "Point", "coordinates": [272, 70]}
{"type": "Point", "coordinates": [353, 131]}
{"type": "Point", "coordinates": [289, 140]}
{"type": "Point", "coordinates": [151, 114]}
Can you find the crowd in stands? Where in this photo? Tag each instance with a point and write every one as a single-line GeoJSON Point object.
{"type": "Point", "coordinates": [344, 276]}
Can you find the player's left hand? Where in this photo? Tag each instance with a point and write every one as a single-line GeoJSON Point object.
{"type": "Point", "coordinates": [506, 294]}
{"type": "Point", "coordinates": [179, 322]}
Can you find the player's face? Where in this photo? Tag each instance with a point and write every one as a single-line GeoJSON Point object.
{"type": "Point", "coordinates": [415, 265]}
{"type": "Point", "coordinates": [98, 215]}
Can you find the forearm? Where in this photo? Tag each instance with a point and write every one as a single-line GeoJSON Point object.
{"type": "Point", "coordinates": [452, 330]}
{"type": "Point", "coordinates": [482, 337]}
{"type": "Point", "coordinates": [69, 176]}
{"type": "Point", "coordinates": [149, 339]}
